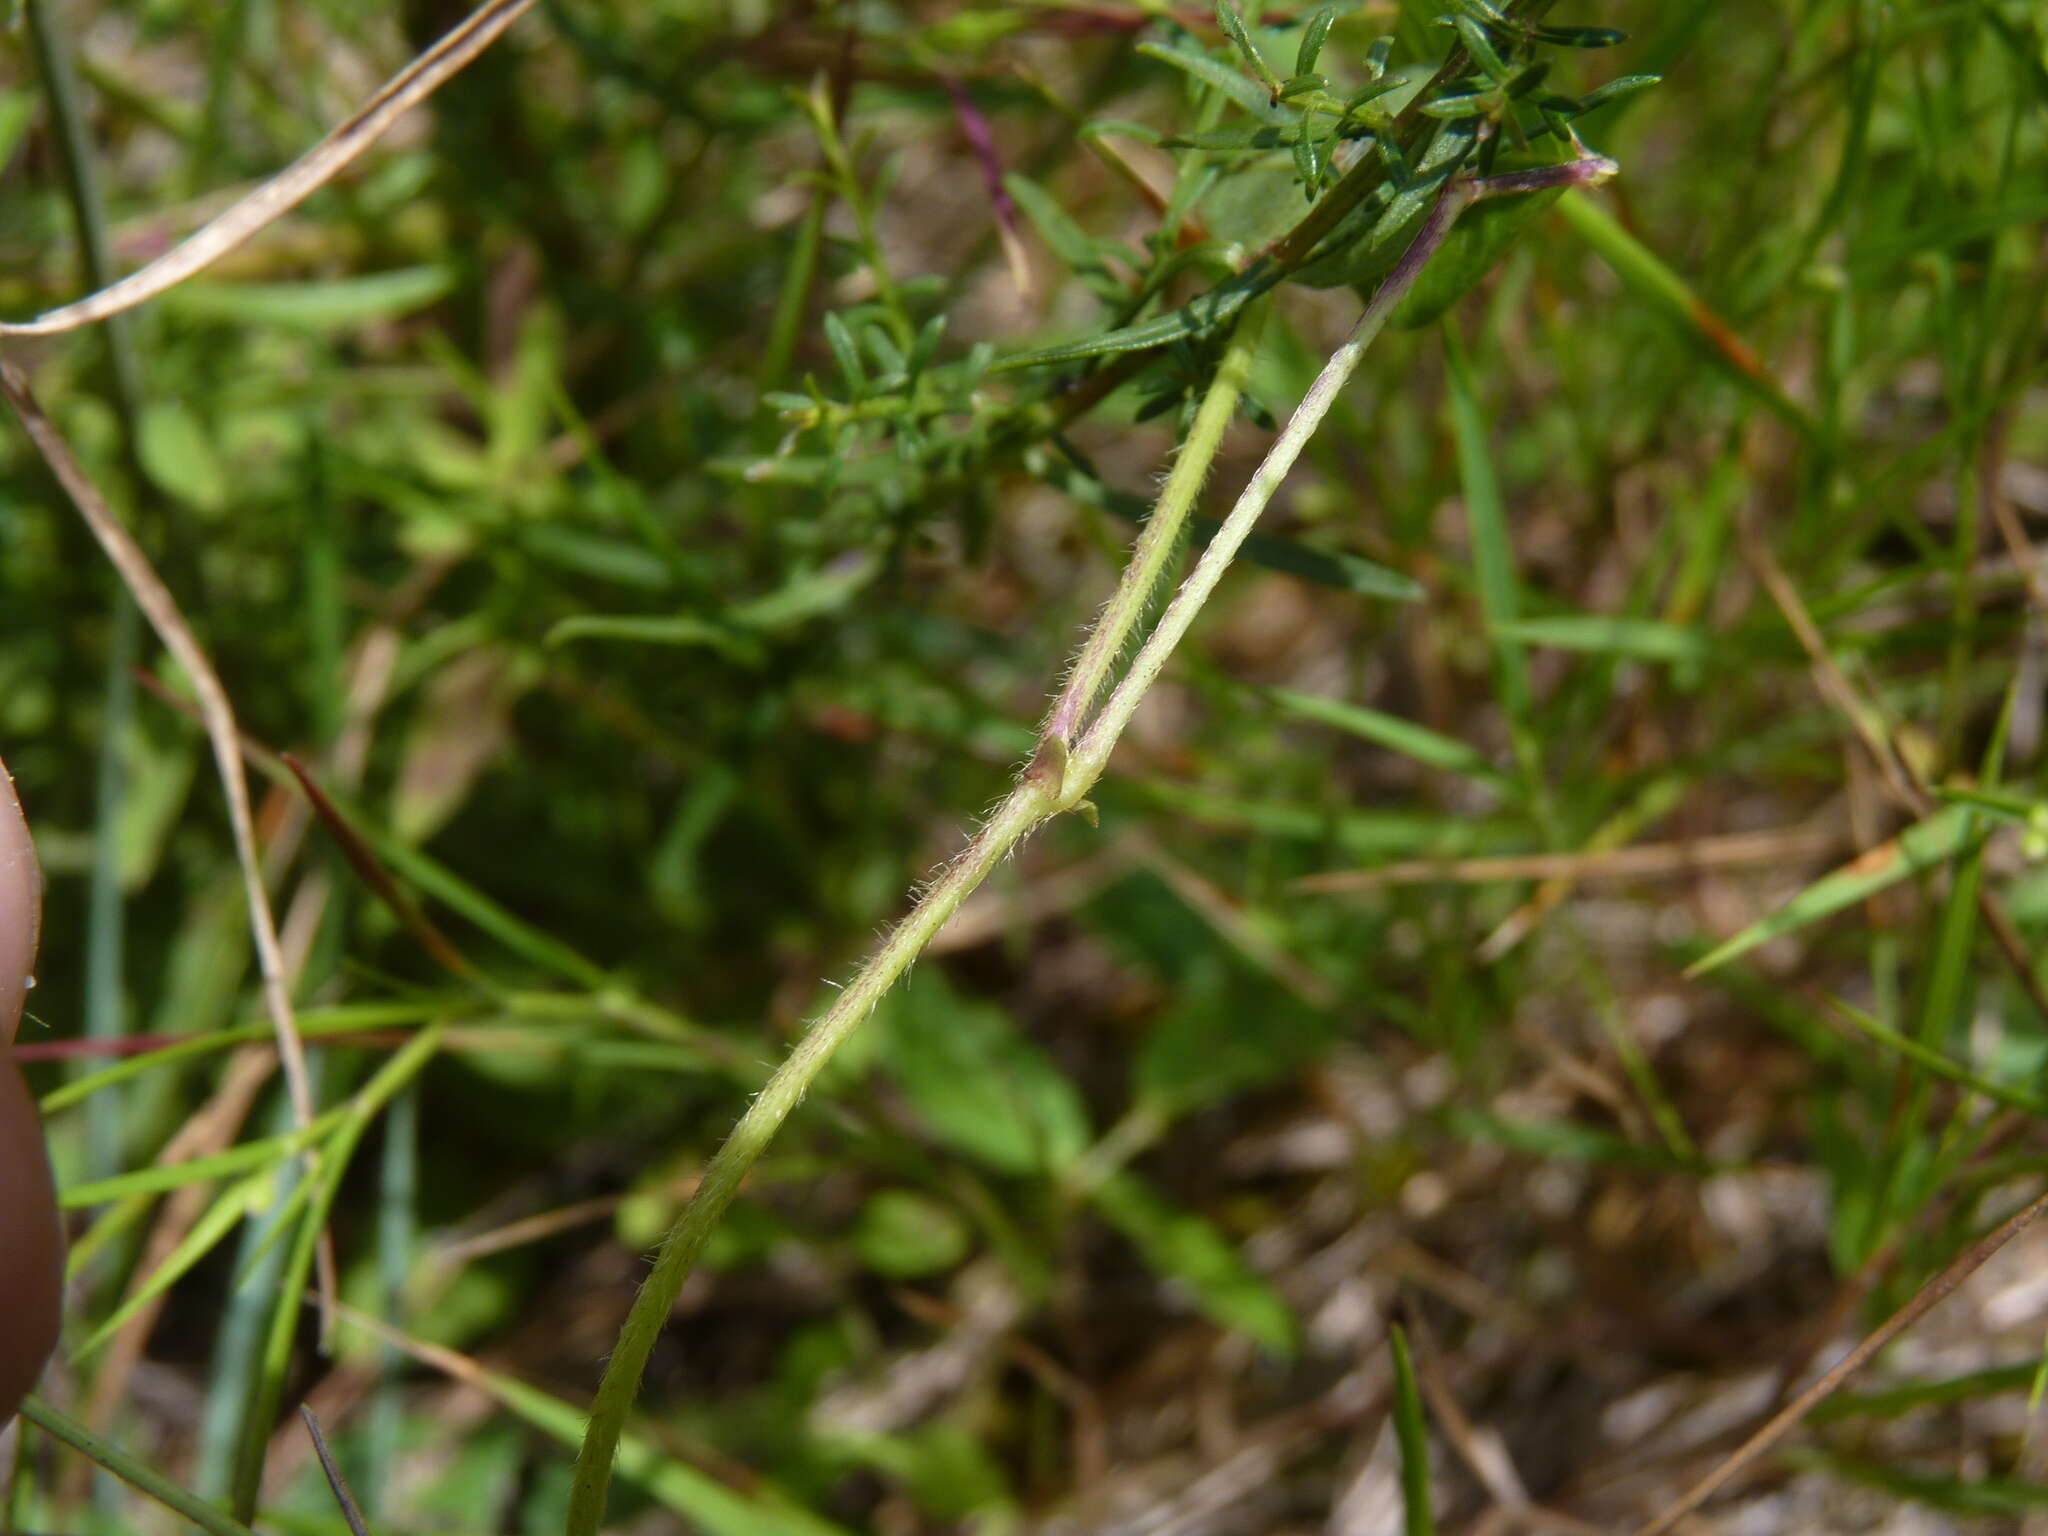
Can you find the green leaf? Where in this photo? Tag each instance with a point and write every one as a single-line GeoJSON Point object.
{"type": "Point", "coordinates": [902, 1234]}
{"type": "Point", "coordinates": [1565, 1140]}
{"type": "Point", "coordinates": [1231, 20]}
{"type": "Point", "coordinates": [1221, 1036]}
{"type": "Point", "coordinates": [1581, 37]}
{"type": "Point", "coordinates": [1395, 734]}
{"type": "Point", "coordinates": [1932, 1061]}
{"type": "Point", "coordinates": [180, 457]}
{"type": "Point", "coordinates": [1120, 128]}
{"type": "Point", "coordinates": [947, 1470]}
{"type": "Point", "coordinates": [1326, 567]}
{"type": "Point", "coordinates": [1920, 847]}
{"type": "Point", "coordinates": [1239, 138]}
{"type": "Point", "coordinates": [1617, 90]}
{"type": "Point", "coordinates": [335, 304]}
{"type": "Point", "coordinates": [810, 595]}
{"type": "Point", "coordinates": [1636, 639]}
{"type": "Point", "coordinates": [17, 110]}
{"type": "Point", "coordinates": [157, 1178]}
{"type": "Point", "coordinates": [1313, 36]}
{"type": "Point", "coordinates": [223, 1213]}
{"type": "Point", "coordinates": [1197, 318]}
{"type": "Point", "coordinates": [657, 629]}
{"type": "Point", "coordinates": [926, 346]}
{"type": "Point", "coordinates": [1995, 1498]}
{"type": "Point", "coordinates": [1895, 1402]}
{"type": "Point", "coordinates": [706, 1503]}
{"type": "Point", "coordinates": [1480, 46]}
{"type": "Point", "coordinates": [846, 353]}
{"type": "Point", "coordinates": [1066, 238]}
{"type": "Point", "coordinates": [1493, 553]}
{"type": "Point", "coordinates": [1218, 76]}
{"type": "Point", "coordinates": [1181, 1246]}
{"type": "Point", "coordinates": [1644, 274]}
{"type": "Point", "coordinates": [978, 1085]}
{"type": "Point", "coordinates": [624, 561]}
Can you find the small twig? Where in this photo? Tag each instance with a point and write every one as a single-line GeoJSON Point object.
{"type": "Point", "coordinates": [1634, 861]}
{"type": "Point", "coordinates": [350, 1510]}
{"type": "Point", "coordinates": [1828, 677]}
{"type": "Point", "coordinates": [377, 878]}
{"type": "Point", "coordinates": [295, 183]}
{"type": "Point", "coordinates": [532, 1229]}
{"type": "Point", "coordinates": [1924, 1301]}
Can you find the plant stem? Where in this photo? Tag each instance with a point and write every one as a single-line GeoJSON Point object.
{"type": "Point", "coordinates": [1156, 544]}
{"type": "Point", "coordinates": [1092, 756]}
{"type": "Point", "coordinates": [894, 311]}
{"type": "Point", "coordinates": [130, 1469]}
{"type": "Point", "coordinates": [1054, 781]}
{"type": "Point", "coordinates": [106, 925]}
{"type": "Point", "coordinates": [1028, 804]}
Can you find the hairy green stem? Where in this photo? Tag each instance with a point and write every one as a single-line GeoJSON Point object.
{"type": "Point", "coordinates": [1030, 803]}
{"type": "Point", "coordinates": [1156, 544]}
{"type": "Point", "coordinates": [1038, 795]}
{"type": "Point", "coordinates": [1055, 781]}
{"type": "Point", "coordinates": [1092, 755]}
{"type": "Point", "coordinates": [1298, 245]}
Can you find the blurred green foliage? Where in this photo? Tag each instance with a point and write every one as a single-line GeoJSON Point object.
{"type": "Point", "coordinates": [656, 490]}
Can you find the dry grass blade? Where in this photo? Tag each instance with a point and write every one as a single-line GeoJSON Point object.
{"type": "Point", "coordinates": [161, 609]}
{"type": "Point", "coordinates": [1638, 861]}
{"type": "Point", "coordinates": [376, 877]}
{"type": "Point", "coordinates": [295, 183]}
{"type": "Point", "coordinates": [1834, 686]}
{"type": "Point", "coordinates": [1894, 767]}
{"type": "Point", "coordinates": [1930, 1296]}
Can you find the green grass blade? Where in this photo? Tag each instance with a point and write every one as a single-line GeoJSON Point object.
{"type": "Point", "coordinates": [1934, 1062]}
{"type": "Point", "coordinates": [196, 1170]}
{"type": "Point", "coordinates": [1180, 1245]}
{"type": "Point", "coordinates": [395, 1074]}
{"type": "Point", "coordinates": [1646, 276]}
{"type": "Point", "coordinates": [1601, 635]}
{"type": "Point", "coordinates": [1920, 847]}
{"type": "Point", "coordinates": [1493, 554]}
{"type": "Point", "coordinates": [1417, 742]}
{"type": "Point", "coordinates": [136, 1473]}
{"type": "Point", "coordinates": [1411, 1430]}
{"type": "Point", "coordinates": [707, 1503]}
{"type": "Point", "coordinates": [214, 1223]}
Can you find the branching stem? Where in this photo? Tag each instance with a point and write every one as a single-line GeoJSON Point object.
{"type": "Point", "coordinates": [1071, 755]}
{"type": "Point", "coordinates": [1156, 544]}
